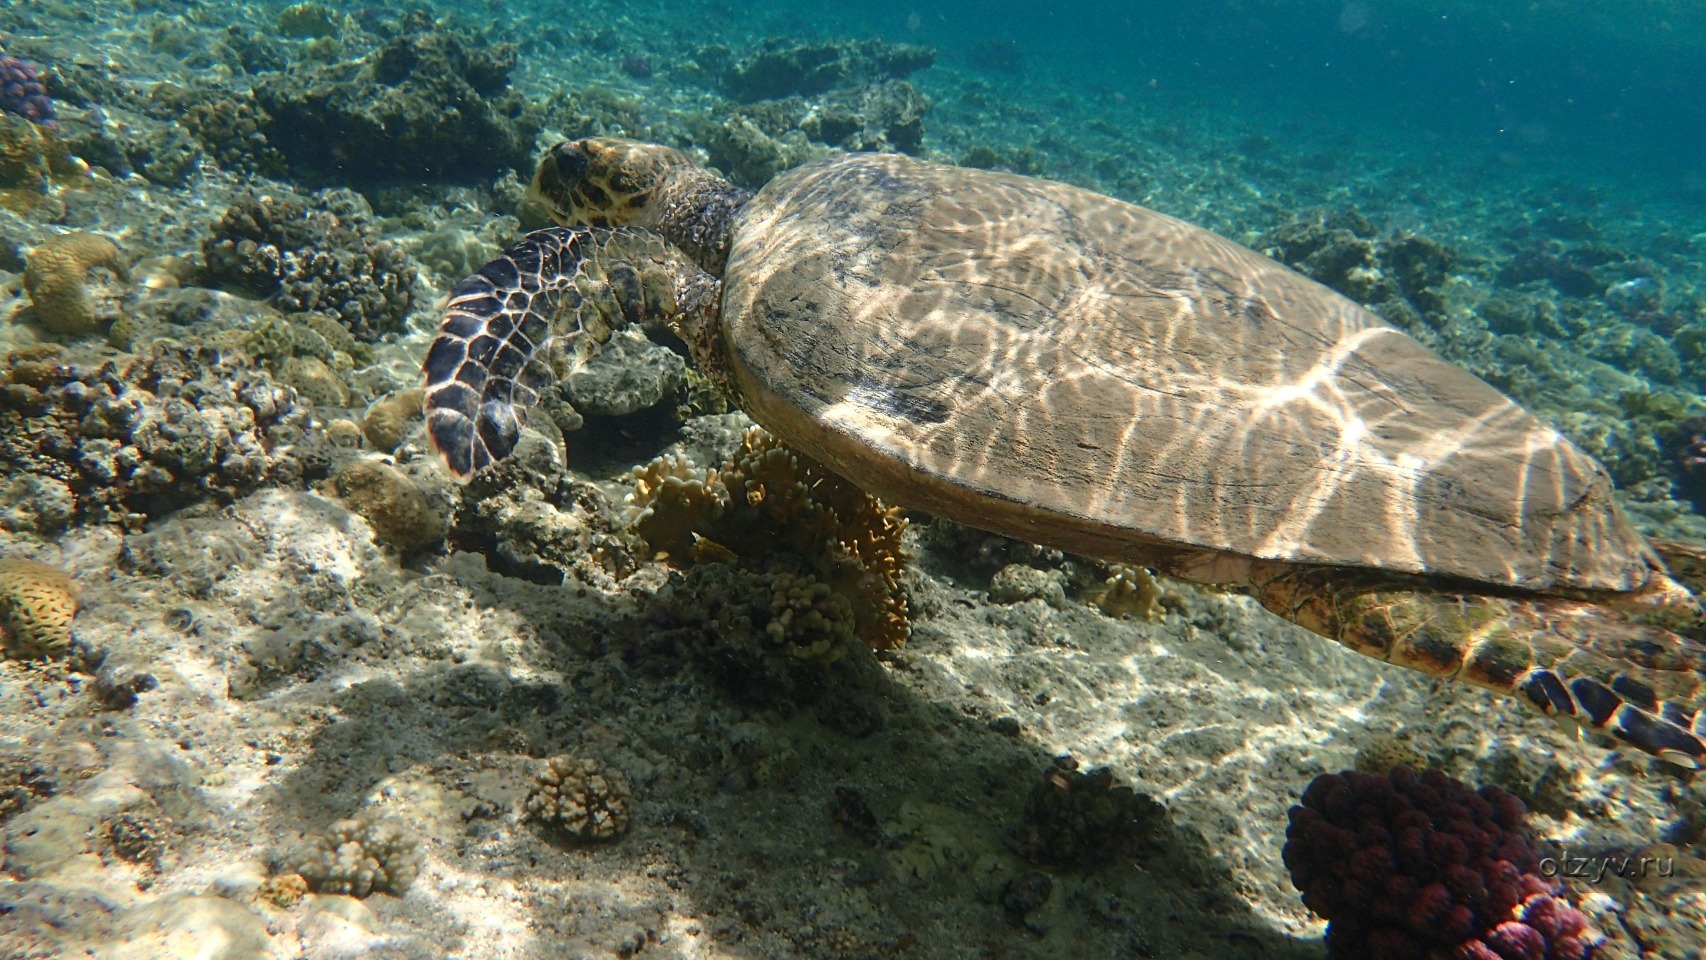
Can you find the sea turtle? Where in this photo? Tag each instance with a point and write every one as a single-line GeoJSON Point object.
{"type": "Point", "coordinates": [1051, 364]}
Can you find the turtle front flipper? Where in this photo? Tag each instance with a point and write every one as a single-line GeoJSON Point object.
{"type": "Point", "coordinates": [533, 315]}
{"type": "Point", "coordinates": [1582, 664]}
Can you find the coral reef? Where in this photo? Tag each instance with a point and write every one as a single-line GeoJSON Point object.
{"type": "Point", "coordinates": [757, 141]}
{"type": "Point", "coordinates": [309, 20]}
{"type": "Point", "coordinates": [362, 855]}
{"type": "Point", "coordinates": [1083, 819]}
{"type": "Point", "coordinates": [1387, 752]}
{"type": "Point", "coordinates": [772, 511]}
{"type": "Point", "coordinates": [581, 798]}
{"type": "Point", "coordinates": [1342, 249]}
{"type": "Point", "coordinates": [22, 93]}
{"type": "Point", "coordinates": [753, 613]}
{"type": "Point", "coordinates": [428, 105]}
{"type": "Point", "coordinates": [628, 373]}
{"type": "Point", "coordinates": [783, 67]}
{"type": "Point", "coordinates": [1405, 866]}
{"type": "Point", "coordinates": [324, 259]}
{"type": "Point", "coordinates": [33, 503]}
{"type": "Point", "coordinates": [1687, 451]}
{"type": "Point", "coordinates": [37, 605]}
{"type": "Point", "coordinates": [532, 521]}
{"type": "Point", "coordinates": [24, 779]}
{"type": "Point", "coordinates": [232, 132]}
{"type": "Point", "coordinates": [138, 437]}
{"type": "Point", "coordinates": [57, 280]}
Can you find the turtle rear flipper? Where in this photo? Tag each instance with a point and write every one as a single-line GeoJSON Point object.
{"type": "Point", "coordinates": [1583, 665]}
{"type": "Point", "coordinates": [529, 317]}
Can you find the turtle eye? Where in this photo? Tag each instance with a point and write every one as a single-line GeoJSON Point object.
{"type": "Point", "coordinates": [571, 162]}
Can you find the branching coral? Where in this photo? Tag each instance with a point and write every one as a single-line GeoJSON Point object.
{"type": "Point", "coordinates": [57, 280]}
{"type": "Point", "coordinates": [772, 510]}
{"type": "Point", "coordinates": [582, 798]}
{"type": "Point", "coordinates": [37, 605]}
{"type": "Point", "coordinates": [1405, 866]}
{"type": "Point", "coordinates": [1129, 592]}
{"type": "Point", "coordinates": [362, 855]}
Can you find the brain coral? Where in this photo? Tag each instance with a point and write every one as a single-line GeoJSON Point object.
{"type": "Point", "coordinates": [769, 508]}
{"type": "Point", "coordinates": [56, 276]}
{"type": "Point", "coordinates": [37, 605]}
{"type": "Point", "coordinates": [1405, 867]}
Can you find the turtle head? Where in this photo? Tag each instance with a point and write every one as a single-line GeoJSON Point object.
{"type": "Point", "coordinates": [609, 182]}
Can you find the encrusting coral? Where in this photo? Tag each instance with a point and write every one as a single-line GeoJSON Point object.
{"type": "Point", "coordinates": [771, 511]}
{"type": "Point", "coordinates": [37, 605]}
{"type": "Point", "coordinates": [582, 798]}
{"type": "Point", "coordinates": [57, 279]}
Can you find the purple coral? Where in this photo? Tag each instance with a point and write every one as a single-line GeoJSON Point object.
{"type": "Point", "coordinates": [22, 92]}
{"type": "Point", "coordinates": [1405, 867]}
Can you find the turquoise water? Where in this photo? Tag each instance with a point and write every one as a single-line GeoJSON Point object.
{"type": "Point", "coordinates": [222, 267]}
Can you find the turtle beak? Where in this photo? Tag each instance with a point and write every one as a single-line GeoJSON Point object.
{"type": "Point", "coordinates": [560, 171]}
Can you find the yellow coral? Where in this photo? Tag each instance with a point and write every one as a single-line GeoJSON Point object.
{"type": "Point", "coordinates": [386, 420]}
{"type": "Point", "coordinates": [56, 275]}
{"type": "Point", "coordinates": [768, 502]}
{"type": "Point", "coordinates": [37, 605]}
{"type": "Point", "coordinates": [1129, 592]}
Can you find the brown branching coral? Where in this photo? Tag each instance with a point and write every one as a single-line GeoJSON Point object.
{"type": "Point", "coordinates": [37, 605]}
{"type": "Point", "coordinates": [581, 797]}
{"type": "Point", "coordinates": [57, 280]}
{"type": "Point", "coordinates": [770, 509]}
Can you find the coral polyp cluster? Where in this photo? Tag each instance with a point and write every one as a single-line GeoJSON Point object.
{"type": "Point", "coordinates": [769, 505]}
{"type": "Point", "coordinates": [1407, 866]}
{"type": "Point", "coordinates": [22, 93]}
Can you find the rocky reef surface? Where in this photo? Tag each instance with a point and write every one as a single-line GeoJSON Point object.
{"type": "Point", "coordinates": [273, 685]}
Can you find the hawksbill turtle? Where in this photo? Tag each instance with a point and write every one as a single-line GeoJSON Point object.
{"type": "Point", "coordinates": [1064, 368]}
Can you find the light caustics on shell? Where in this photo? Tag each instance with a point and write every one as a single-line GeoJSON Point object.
{"type": "Point", "coordinates": [1047, 346]}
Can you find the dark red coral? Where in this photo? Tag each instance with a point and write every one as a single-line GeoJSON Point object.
{"type": "Point", "coordinates": [1410, 866]}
